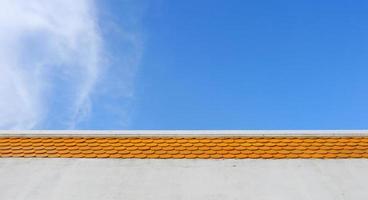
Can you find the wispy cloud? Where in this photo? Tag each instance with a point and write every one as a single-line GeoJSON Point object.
{"type": "Point", "coordinates": [51, 53]}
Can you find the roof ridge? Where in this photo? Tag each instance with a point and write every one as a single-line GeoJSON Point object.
{"type": "Point", "coordinates": [124, 133]}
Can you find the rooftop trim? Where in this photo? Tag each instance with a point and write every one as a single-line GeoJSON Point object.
{"type": "Point", "coordinates": [174, 133]}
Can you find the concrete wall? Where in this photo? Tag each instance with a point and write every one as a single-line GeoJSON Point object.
{"type": "Point", "coordinates": [109, 179]}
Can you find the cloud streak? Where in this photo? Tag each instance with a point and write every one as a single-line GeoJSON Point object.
{"type": "Point", "coordinates": [50, 62]}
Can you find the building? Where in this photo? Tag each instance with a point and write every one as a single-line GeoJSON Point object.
{"type": "Point", "coordinates": [183, 165]}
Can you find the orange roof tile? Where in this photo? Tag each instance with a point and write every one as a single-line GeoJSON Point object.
{"type": "Point", "coordinates": [200, 147]}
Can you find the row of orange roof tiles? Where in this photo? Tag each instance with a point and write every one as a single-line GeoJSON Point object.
{"type": "Point", "coordinates": [176, 147]}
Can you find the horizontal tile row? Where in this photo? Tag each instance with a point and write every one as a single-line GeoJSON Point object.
{"type": "Point", "coordinates": [184, 147]}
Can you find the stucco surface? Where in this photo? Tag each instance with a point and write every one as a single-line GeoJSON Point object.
{"type": "Point", "coordinates": [113, 179]}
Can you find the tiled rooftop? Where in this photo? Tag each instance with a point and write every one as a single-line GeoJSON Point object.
{"type": "Point", "coordinates": [191, 147]}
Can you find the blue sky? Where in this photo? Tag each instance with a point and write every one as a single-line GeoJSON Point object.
{"type": "Point", "coordinates": [211, 65]}
{"type": "Point", "coordinates": [254, 65]}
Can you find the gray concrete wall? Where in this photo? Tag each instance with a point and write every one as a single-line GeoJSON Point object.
{"type": "Point", "coordinates": [113, 179]}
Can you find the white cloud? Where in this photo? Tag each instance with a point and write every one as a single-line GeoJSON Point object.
{"type": "Point", "coordinates": [50, 61]}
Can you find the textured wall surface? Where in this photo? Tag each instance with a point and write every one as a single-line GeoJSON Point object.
{"type": "Point", "coordinates": [151, 179]}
